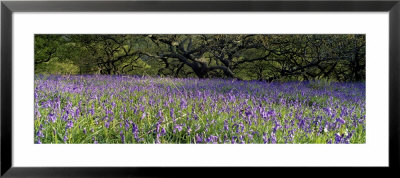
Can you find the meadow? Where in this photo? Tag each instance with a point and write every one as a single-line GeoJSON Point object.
{"type": "Point", "coordinates": [116, 109]}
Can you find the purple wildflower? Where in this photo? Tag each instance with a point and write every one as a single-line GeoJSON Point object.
{"type": "Point", "coordinates": [198, 139]}
{"type": "Point", "coordinates": [265, 139]}
{"type": "Point", "coordinates": [40, 134]}
{"type": "Point", "coordinates": [65, 139]}
{"type": "Point", "coordinates": [178, 127]}
{"type": "Point", "coordinates": [226, 126]}
{"type": "Point", "coordinates": [143, 116]}
{"type": "Point", "coordinates": [52, 117]}
{"type": "Point", "coordinates": [70, 124]}
{"type": "Point", "coordinates": [340, 120]}
{"type": "Point", "coordinates": [273, 137]}
{"type": "Point", "coordinates": [122, 136]}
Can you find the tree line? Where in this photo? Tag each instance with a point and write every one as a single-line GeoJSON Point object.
{"type": "Point", "coordinates": [283, 57]}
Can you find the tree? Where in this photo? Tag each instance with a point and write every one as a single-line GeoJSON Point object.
{"type": "Point", "coordinates": [242, 56]}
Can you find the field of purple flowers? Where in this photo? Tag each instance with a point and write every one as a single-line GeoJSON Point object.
{"type": "Point", "coordinates": [129, 109]}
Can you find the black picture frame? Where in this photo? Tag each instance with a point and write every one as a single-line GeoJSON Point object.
{"type": "Point", "coordinates": [8, 7]}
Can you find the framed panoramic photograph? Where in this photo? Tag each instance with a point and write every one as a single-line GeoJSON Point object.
{"type": "Point", "coordinates": [136, 88]}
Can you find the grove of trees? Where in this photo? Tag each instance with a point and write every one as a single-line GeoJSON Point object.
{"type": "Point", "coordinates": [335, 57]}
